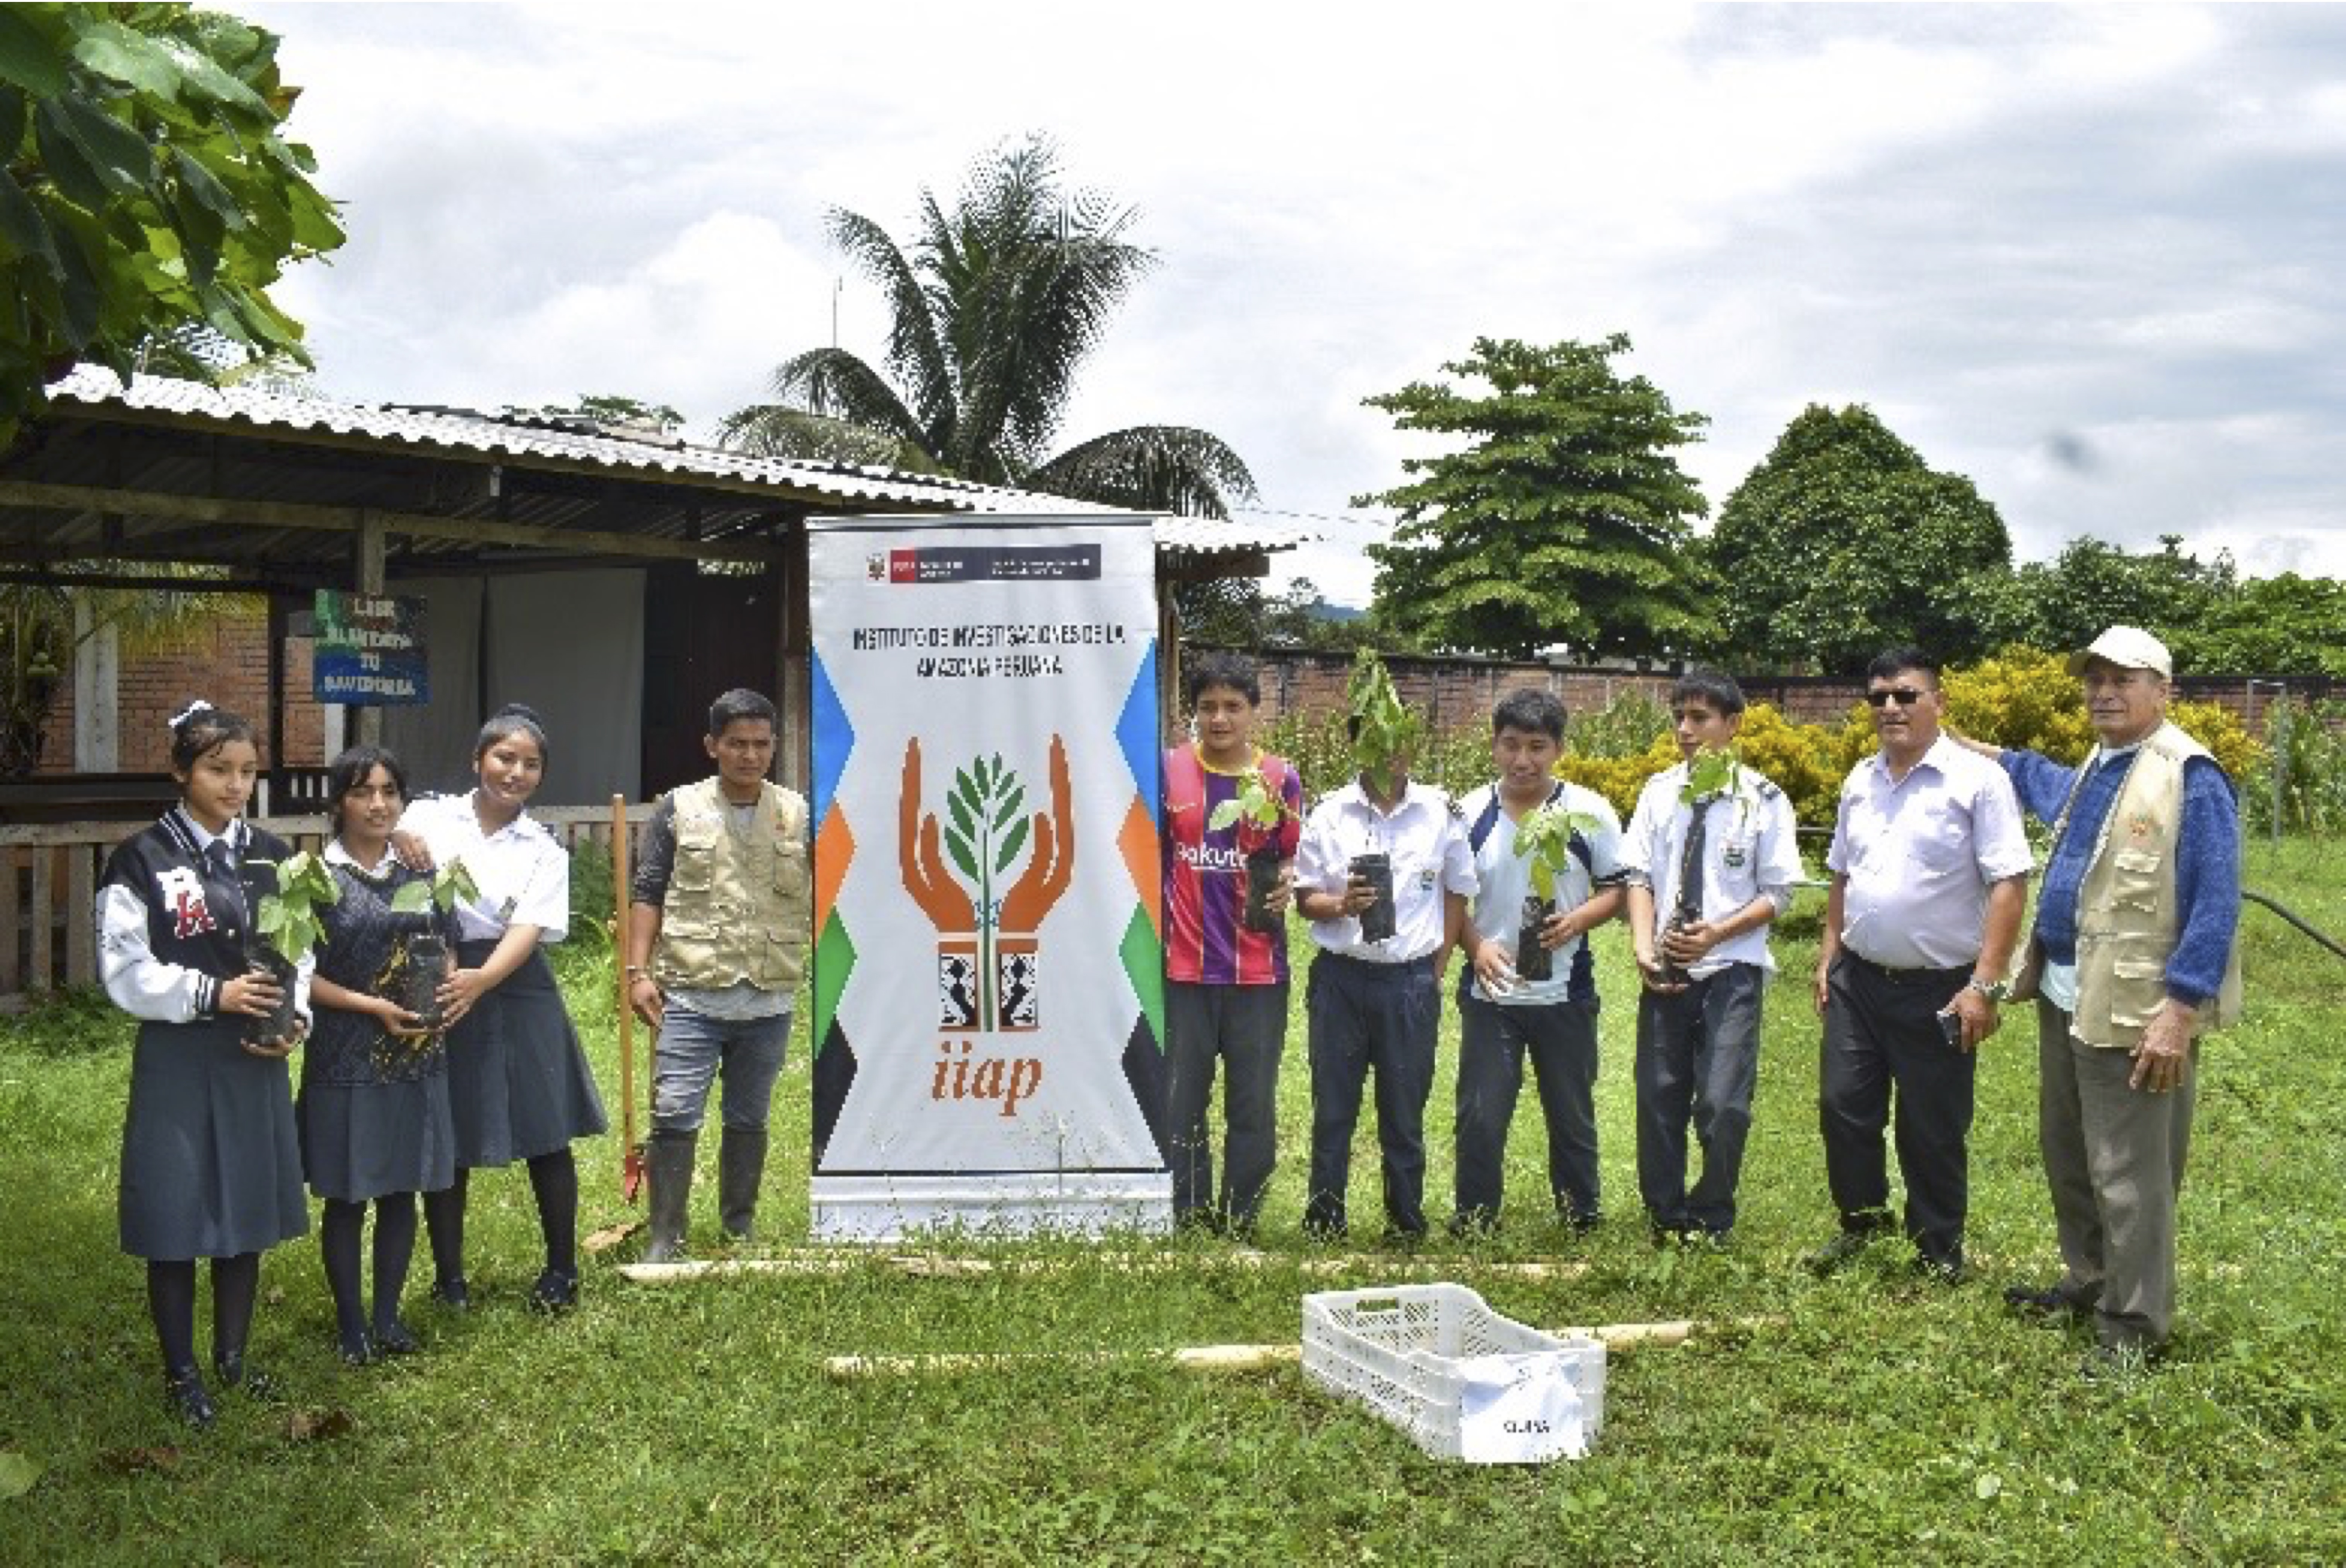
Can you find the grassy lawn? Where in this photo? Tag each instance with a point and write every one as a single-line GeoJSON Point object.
{"type": "Point", "coordinates": [1867, 1418]}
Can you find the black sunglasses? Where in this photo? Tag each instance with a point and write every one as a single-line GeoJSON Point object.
{"type": "Point", "coordinates": [1906, 695]}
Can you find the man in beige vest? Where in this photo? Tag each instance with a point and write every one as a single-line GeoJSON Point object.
{"type": "Point", "coordinates": [2131, 960]}
{"type": "Point", "coordinates": [717, 941]}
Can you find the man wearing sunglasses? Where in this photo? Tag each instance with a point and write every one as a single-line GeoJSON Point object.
{"type": "Point", "coordinates": [1930, 867]}
{"type": "Point", "coordinates": [2132, 958]}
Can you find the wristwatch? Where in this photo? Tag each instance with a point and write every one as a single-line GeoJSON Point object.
{"type": "Point", "coordinates": [1994, 990]}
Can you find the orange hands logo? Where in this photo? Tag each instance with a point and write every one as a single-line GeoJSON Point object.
{"type": "Point", "coordinates": [926, 877]}
{"type": "Point", "coordinates": [1052, 866]}
{"type": "Point", "coordinates": [988, 955]}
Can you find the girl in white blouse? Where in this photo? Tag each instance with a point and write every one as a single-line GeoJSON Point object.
{"type": "Point", "coordinates": [518, 1081]}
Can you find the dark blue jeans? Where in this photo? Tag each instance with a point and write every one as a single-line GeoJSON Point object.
{"type": "Point", "coordinates": [1698, 1063]}
{"type": "Point", "coordinates": [1561, 1039]}
{"type": "Point", "coordinates": [1370, 1016]}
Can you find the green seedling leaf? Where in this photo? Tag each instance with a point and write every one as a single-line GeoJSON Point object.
{"type": "Point", "coordinates": [1710, 772]}
{"type": "Point", "coordinates": [962, 855]}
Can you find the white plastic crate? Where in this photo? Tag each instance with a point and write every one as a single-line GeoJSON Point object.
{"type": "Point", "coordinates": [1415, 1355]}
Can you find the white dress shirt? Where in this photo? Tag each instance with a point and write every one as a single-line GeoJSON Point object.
{"type": "Point", "coordinates": [523, 875]}
{"type": "Point", "coordinates": [1426, 841]}
{"type": "Point", "coordinates": [1749, 850]}
{"type": "Point", "coordinates": [1921, 852]}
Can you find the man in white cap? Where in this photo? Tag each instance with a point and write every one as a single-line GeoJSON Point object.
{"type": "Point", "coordinates": [2132, 958]}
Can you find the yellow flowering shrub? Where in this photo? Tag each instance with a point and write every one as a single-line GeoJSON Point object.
{"type": "Point", "coordinates": [2023, 700]}
{"type": "Point", "coordinates": [1807, 761]}
{"type": "Point", "coordinates": [2240, 754]}
{"type": "Point", "coordinates": [1620, 778]}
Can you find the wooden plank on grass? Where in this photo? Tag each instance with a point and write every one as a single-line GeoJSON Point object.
{"type": "Point", "coordinates": [939, 1266]}
{"type": "Point", "coordinates": [1205, 1358]}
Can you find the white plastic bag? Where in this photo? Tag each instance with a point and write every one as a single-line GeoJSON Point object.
{"type": "Point", "coordinates": [1519, 1410]}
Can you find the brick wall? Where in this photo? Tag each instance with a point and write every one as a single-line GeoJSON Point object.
{"type": "Point", "coordinates": [229, 667]}
{"type": "Point", "coordinates": [1457, 693]}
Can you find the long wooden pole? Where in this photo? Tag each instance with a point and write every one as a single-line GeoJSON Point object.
{"type": "Point", "coordinates": [631, 1155]}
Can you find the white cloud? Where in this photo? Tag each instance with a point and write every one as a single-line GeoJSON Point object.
{"type": "Point", "coordinates": [1997, 226]}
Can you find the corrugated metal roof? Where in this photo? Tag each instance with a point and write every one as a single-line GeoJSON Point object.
{"type": "Point", "coordinates": [452, 430]}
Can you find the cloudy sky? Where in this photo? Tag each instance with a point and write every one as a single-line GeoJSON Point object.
{"type": "Point", "coordinates": [2088, 257]}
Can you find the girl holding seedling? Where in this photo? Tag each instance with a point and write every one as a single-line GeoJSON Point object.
{"type": "Point", "coordinates": [518, 1084]}
{"type": "Point", "coordinates": [210, 1164]}
{"type": "Point", "coordinates": [375, 1123]}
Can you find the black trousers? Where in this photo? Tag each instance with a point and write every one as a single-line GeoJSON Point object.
{"type": "Point", "coordinates": [1882, 1034]}
{"type": "Point", "coordinates": [1370, 1017]}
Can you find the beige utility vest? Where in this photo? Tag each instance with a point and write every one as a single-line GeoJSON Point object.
{"type": "Point", "coordinates": [2128, 918]}
{"type": "Point", "coordinates": [738, 904]}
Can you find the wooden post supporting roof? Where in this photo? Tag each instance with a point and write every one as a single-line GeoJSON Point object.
{"type": "Point", "coordinates": [371, 541]}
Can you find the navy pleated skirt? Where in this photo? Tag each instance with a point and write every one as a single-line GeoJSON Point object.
{"type": "Point", "coordinates": [518, 1083]}
{"type": "Point", "coordinates": [211, 1164]}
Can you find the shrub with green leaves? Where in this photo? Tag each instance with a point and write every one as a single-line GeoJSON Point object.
{"type": "Point", "coordinates": [440, 891]}
{"type": "Point", "coordinates": [291, 918]}
{"type": "Point", "coordinates": [1387, 733]}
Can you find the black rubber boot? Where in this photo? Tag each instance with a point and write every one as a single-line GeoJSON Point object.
{"type": "Point", "coordinates": [668, 1160]}
{"type": "Point", "coordinates": [740, 1167]}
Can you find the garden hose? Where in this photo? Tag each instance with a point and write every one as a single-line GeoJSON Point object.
{"type": "Point", "coordinates": [2251, 896]}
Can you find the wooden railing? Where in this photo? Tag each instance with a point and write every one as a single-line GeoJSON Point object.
{"type": "Point", "coordinates": [48, 885]}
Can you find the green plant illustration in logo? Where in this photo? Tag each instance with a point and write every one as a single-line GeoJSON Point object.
{"type": "Point", "coordinates": [984, 833]}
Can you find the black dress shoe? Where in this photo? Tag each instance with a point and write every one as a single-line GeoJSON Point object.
{"type": "Point", "coordinates": [450, 1295]}
{"type": "Point", "coordinates": [2049, 1306]}
{"type": "Point", "coordinates": [554, 1292]}
{"type": "Point", "coordinates": [354, 1353]}
{"type": "Point", "coordinates": [255, 1384]}
{"type": "Point", "coordinates": [185, 1396]}
{"type": "Point", "coordinates": [393, 1338]}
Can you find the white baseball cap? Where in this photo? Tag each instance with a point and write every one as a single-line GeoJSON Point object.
{"type": "Point", "coordinates": [2129, 647]}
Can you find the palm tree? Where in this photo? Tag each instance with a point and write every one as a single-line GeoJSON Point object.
{"type": "Point", "coordinates": [994, 308]}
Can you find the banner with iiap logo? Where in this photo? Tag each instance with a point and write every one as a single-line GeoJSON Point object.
{"type": "Point", "coordinates": [988, 980]}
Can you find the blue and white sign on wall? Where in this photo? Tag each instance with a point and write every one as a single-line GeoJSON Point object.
{"type": "Point", "coordinates": [369, 650]}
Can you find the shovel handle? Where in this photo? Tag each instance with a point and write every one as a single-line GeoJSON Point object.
{"type": "Point", "coordinates": [630, 1159]}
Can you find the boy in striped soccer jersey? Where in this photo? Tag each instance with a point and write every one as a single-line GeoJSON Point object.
{"type": "Point", "coordinates": [1226, 983]}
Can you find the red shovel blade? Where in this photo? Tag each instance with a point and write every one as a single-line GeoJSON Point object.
{"type": "Point", "coordinates": [631, 1173]}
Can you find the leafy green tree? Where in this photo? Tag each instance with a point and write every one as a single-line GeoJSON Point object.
{"type": "Point", "coordinates": [993, 310]}
{"type": "Point", "coordinates": [1566, 520]}
{"type": "Point", "coordinates": [1844, 541]}
{"type": "Point", "coordinates": [2279, 625]}
{"type": "Point", "coordinates": [147, 186]}
{"type": "Point", "coordinates": [2091, 584]}
{"type": "Point", "coordinates": [608, 408]}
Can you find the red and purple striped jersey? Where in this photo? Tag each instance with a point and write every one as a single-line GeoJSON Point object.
{"type": "Point", "coordinates": [1206, 939]}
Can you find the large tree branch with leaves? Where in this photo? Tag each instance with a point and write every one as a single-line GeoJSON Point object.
{"type": "Point", "coordinates": [147, 186]}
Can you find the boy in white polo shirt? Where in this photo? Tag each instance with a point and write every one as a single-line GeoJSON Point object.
{"type": "Point", "coordinates": [1503, 1016]}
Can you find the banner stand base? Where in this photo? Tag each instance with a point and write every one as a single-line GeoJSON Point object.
{"type": "Point", "coordinates": [885, 1209]}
